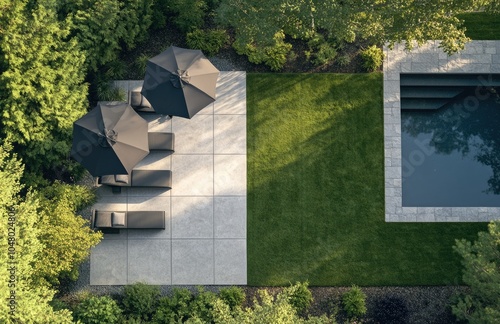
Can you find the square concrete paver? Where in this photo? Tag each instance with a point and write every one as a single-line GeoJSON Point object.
{"type": "Point", "coordinates": [230, 217]}
{"type": "Point", "coordinates": [204, 242]}
{"type": "Point", "coordinates": [192, 262]}
{"type": "Point", "coordinates": [149, 261]}
{"type": "Point", "coordinates": [194, 175]}
{"type": "Point", "coordinates": [194, 217]}
{"type": "Point", "coordinates": [230, 261]}
{"type": "Point", "coordinates": [108, 263]}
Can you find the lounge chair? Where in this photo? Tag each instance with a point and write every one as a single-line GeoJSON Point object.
{"type": "Point", "coordinates": [139, 102]}
{"type": "Point", "coordinates": [138, 178]}
{"type": "Point", "coordinates": [132, 219]}
{"type": "Point", "coordinates": [161, 141]}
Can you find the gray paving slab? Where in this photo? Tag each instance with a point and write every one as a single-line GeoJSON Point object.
{"type": "Point", "coordinates": [194, 175]}
{"type": "Point", "coordinates": [477, 57]}
{"type": "Point", "coordinates": [230, 176]}
{"type": "Point", "coordinates": [108, 263]}
{"type": "Point", "coordinates": [195, 135]}
{"type": "Point", "coordinates": [193, 262]}
{"type": "Point", "coordinates": [230, 134]}
{"type": "Point", "coordinates": [230, 262]}
{"type": "Point", "coordinates": [230, 217]}
{"type": "Point", "coordinates": [149, 261]}
{"type": "Point", "coordinates": [194, 217]}
{"type": "Point", "coordinates": [204, 241]}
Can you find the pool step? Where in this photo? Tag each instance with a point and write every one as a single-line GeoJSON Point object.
{"type": "Point", "coordinates": [450, 79]}
{"type": "Point", "coordinates": [423, 103]}
{"type": "Point", "coordinates": [430, 92]}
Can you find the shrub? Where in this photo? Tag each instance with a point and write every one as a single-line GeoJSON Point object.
{"type": "Point", "coordinates": [174, 309]}
{"type": "Point", "coordinates": [190, 14]}
{"type": "Point", "coordinates": [232, 296]}
{"type": "Point", "coordinates": [202, 305]}
{"type": "Point", "coordinates": [107, 92]}
{"type": "Point", "coordinates": [141, 63]}
{"type": "Point", "coordinates": [391, 310]}
{"type": "Point", "coordinates": [325, 54]}
{"type": "Point", "coordinates": [273, 55]}
{"type": "Point", "coordinates": [300, 296]}
{"type": "Point", "coordinates": [209, 41]}
{"type": "Point", "coordinates": [354, 302]}
{"type": "Point", "coordinates": [344, 60]}
{"type": "Point", "coordinates": [140, 299]}
{"type": "Point", "coordinates": [98, 310]}
{"type": "Point", "coordinates": [372, 58]}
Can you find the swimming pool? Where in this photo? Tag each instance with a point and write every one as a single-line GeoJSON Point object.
{"type": "Point", "coordinates": [450, 140]}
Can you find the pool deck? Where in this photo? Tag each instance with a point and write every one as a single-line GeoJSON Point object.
{"type": "Point", "coordinates": [477, 57]}
{"type": "Point", "coordinates": [204, 242]}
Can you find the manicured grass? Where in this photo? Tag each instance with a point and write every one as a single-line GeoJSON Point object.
{"type": "Point", "coordinates": [481, 25]}
{"type": "Point", "coordinates": [316, 190]}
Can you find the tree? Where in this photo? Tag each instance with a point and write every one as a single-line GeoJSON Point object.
{"type": "Point", "coordinates": [23, 300]}
{"type": "Point", "coordinates": [42, 89]}
{"type": "Point", "coordinates": [256, 22]}
{"type": "Point", "coordinates": [102, 26]}
{"type": "Point", "coordinates": [66, 237]}
{"type": "Point", "coordinates": [481, 272]}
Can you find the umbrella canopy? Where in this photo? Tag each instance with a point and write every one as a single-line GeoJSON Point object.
{"type": "Point", "coordinates": [180, 82]}
{"type": "Point", "coordinates": [110, 139]}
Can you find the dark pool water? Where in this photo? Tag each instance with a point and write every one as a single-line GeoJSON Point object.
{"type": "Point", "coordinates": [451, 156]}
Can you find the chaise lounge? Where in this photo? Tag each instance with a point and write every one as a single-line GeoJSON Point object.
{"type": "Point", "coordinates": [138, 178]}
{"type": "Point", "coordinates": [132, 219]}
{"type": "Point", "coordinates": [139, 102]}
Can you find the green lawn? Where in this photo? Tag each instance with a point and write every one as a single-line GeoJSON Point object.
{"type": "Point", "coordinates": [481, 26]}
{"type": "Point", "coordinates": [316, 190]}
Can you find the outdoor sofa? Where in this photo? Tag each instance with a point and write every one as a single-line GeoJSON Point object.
{"type": "Point", "coordinates": [131, 219]}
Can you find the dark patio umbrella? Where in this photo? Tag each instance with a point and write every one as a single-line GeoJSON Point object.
{"type": "Point", "coordinates": [110, 139]}
{"type": "Point", "coordinates": [180, 82]}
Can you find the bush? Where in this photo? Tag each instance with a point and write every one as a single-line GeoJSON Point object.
{"type": "Point", "coordinates": [174, 309]}
{"type": "Point", "coordinates": [209, 42]}
{"type": "Point", "coordinates": [372, 58]}
{"type": "Point", "coordinates": [141, 63]}
{"type": "Point", "coordinates": [354, 302]}
{"type": "Point", "coordinates": [190, 14]}
{"type": "Point", "coordinates": [325, 54]}
{"type": "Point", "coordinates": [273, 55]}
{"type": "Point", "coordinates": [344, 60]}
{"type": "Point", "coordinates": [300, 296]}
{"type": "Point", "coordinates": [98, 310]}
{"type": "Point", "coordinates": [141, 300]}
{"type": "Point", "coordinates": [232, 296]}
{"type": "Point", "coordinates": [391, 310]}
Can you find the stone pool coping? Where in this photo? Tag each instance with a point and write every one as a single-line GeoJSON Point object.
{"type": "Point", "coordinates": [477, 57]}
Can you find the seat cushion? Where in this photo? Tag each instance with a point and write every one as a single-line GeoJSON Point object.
{"type": "Point", "coordinates": [118, 219]}
{"type": "Point", "coordinates": [121, 178]}
{"type": "Point", "coordinates": [103, 219]}
{"type": "Point", "coordinates": [135, 98]}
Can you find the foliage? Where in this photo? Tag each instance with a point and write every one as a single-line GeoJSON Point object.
{"type": "Point", "coordinates": [273, 54]}
{"type": "Point", "coordinates": [234, 297]}
{"type": "Point", "coordinates": [372, 57]}
{"type": "Point", "coordinates": [343, 60]}
{"type": "Point", "coordinates": [189, 14]}
{"type": "Point", "coordinates": [266, 309]}
{"type": "Point", "coordinates": [98, 310]}
{"type": "Point", "coordinates": [354, 301]}
{"type": "Point", "coordinates": [208, 41]}
{"type": "Point", "coordinates": [140, 299]}
{"type": "Point", "coordinates": [300, 296]}
{"type": "Point", "coordinates": [141, 63]}
{"type": "Point", "coordinates": [256, 22]}
{"type": "Point", "coordinates": [174, 309]}
{"type": "Point", "coordinates": [20, 244]}
{"type": "Point", "coordinates": [66, 237]}
{"type": "Point", "coordinates": [391, 310]}
{"type": "Point", "coordinates": [42, 89]}
{"type": "Point", "coordinates": [102, 26]}
{"type": "Point", "coordinates": [481, 272]}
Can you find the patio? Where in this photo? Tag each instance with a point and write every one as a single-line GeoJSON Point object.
{"type": "Point", "coordinates": [204, 242]}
